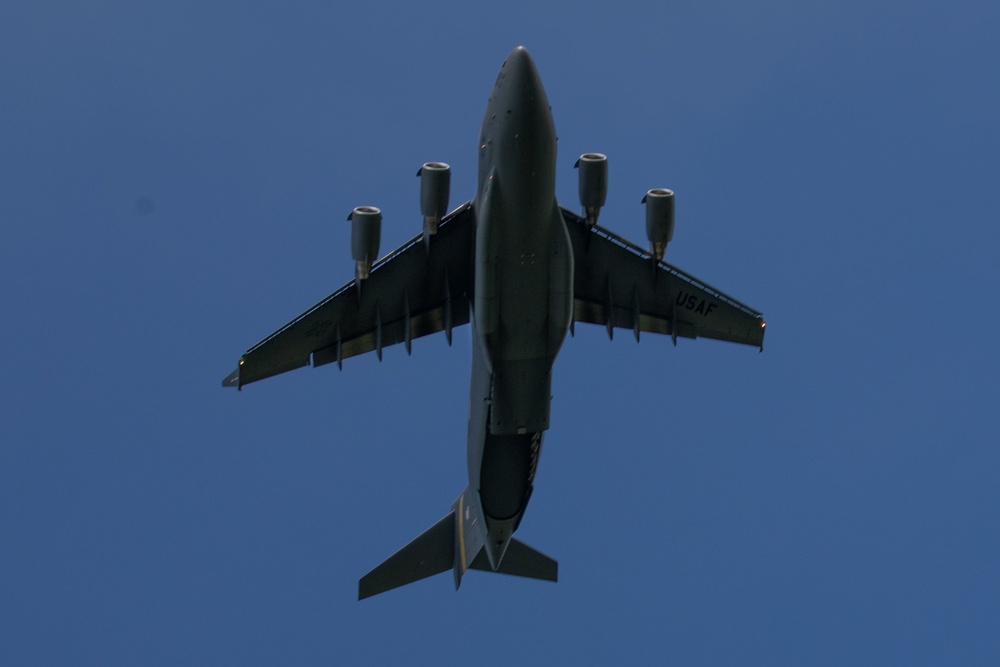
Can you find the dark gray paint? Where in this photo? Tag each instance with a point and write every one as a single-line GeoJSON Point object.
{"type": "Point", "coordinates": [520, 269]}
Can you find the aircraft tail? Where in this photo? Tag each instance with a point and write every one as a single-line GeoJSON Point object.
{"type": "Point", "coordinates": [455, 542]}
{"type": "Point", "coordinates": [522, 561]}
{"type": "Point", "coordinates": [431, 553]}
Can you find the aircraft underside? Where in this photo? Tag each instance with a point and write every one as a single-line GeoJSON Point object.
{"type": "Point", "coordinates": [520, 270]}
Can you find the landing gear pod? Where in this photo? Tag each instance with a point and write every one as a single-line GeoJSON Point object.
{"type": "Point", "coordinates": [366, 231]}
{"type": "Point", "coordinates": [593, 184]}
{"type": "Point", "coordinates": [435, 186]}
{"type": "Point", "coordinates": [659, 220]}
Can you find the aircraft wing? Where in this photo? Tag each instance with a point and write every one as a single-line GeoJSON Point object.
{"type": "Point", "coordinates": [414, 291]}
{"type": "Point", "coordinates": [617, 285]}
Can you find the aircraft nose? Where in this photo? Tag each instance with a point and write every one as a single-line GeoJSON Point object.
{"type": "Point", "coordinates": [518, 55]}
{"type": "Point", "coordinates": [521, 70]}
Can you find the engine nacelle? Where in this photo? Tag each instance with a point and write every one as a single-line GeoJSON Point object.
{"type": "Point", "coordinates": [659, 220]}
{"type": "Point", "coordinates": [593, 184]}
{"type": "Point", "coordinates": [366, 232]}
{"type": "Point", "coordinates": [435, 187]}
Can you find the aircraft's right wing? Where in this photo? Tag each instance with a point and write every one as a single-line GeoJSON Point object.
{"type": "Point", "coordinates": [412, 292]}
{"type": "Point", "coordinates": [617, 284]}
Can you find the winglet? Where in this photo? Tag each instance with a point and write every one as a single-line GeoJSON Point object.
{"type": "Point", "coordinates": [232, 380]}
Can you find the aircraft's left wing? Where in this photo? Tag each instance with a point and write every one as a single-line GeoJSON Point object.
{"type": "Point", "coordinates": [618, 285]}
{"type": "Point", "coordinates": [414, 291]}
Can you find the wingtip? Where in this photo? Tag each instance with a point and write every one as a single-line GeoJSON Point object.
{"type": "Point", "coordinates": [232, 380]}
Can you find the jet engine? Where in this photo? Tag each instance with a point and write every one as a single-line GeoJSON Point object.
{"type": "Point", "coordinates": [366, 231]}
{"type": "Point", "coordinates": [659, 220]}
{"type": "Point", "coordinates": [435, 184]}
{"type": "Point", "coordinates": [593, 184]}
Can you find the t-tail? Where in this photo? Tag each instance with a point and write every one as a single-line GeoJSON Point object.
{"type": "Point", "coordinates": [455, 542]}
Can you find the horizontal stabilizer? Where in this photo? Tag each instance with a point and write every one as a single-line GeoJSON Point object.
{"type": "Point", "coordinates": [431, 553]}
{"type": "Point", "coordinates": [520, 560]}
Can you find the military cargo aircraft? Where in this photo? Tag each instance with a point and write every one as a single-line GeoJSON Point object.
{"type": "Point", "coordinates": [521, 271]}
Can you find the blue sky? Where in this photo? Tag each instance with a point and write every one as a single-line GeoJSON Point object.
{"type": "Point", "coordinates": [174, 179]}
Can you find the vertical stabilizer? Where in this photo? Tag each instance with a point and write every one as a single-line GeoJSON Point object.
{"type": "Point", "coordinates": [470, 532]}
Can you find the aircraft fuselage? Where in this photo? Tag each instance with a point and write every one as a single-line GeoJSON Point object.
{"type": "Point", "coordinates": [523, 297]}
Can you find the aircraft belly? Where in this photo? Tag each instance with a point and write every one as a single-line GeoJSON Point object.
{"type": "Point", "coordinates": [521, 396]}
{"type": "Point", "coordinates": [523, 303]}
{"type": "Point", "coordinates": [523, 306]}
{"type": "Point", "coordinates": [479, 410]}
{"type": "Point", "coordinates": [504, 480]}
{"type": "Point", "coordinates": [531, 324]}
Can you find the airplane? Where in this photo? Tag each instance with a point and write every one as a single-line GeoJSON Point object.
{"type": "Point", "coordinates": [521, 271]}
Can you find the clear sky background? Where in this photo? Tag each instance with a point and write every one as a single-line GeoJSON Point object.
{"type": "Point", "coordinates": [174, 179]}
